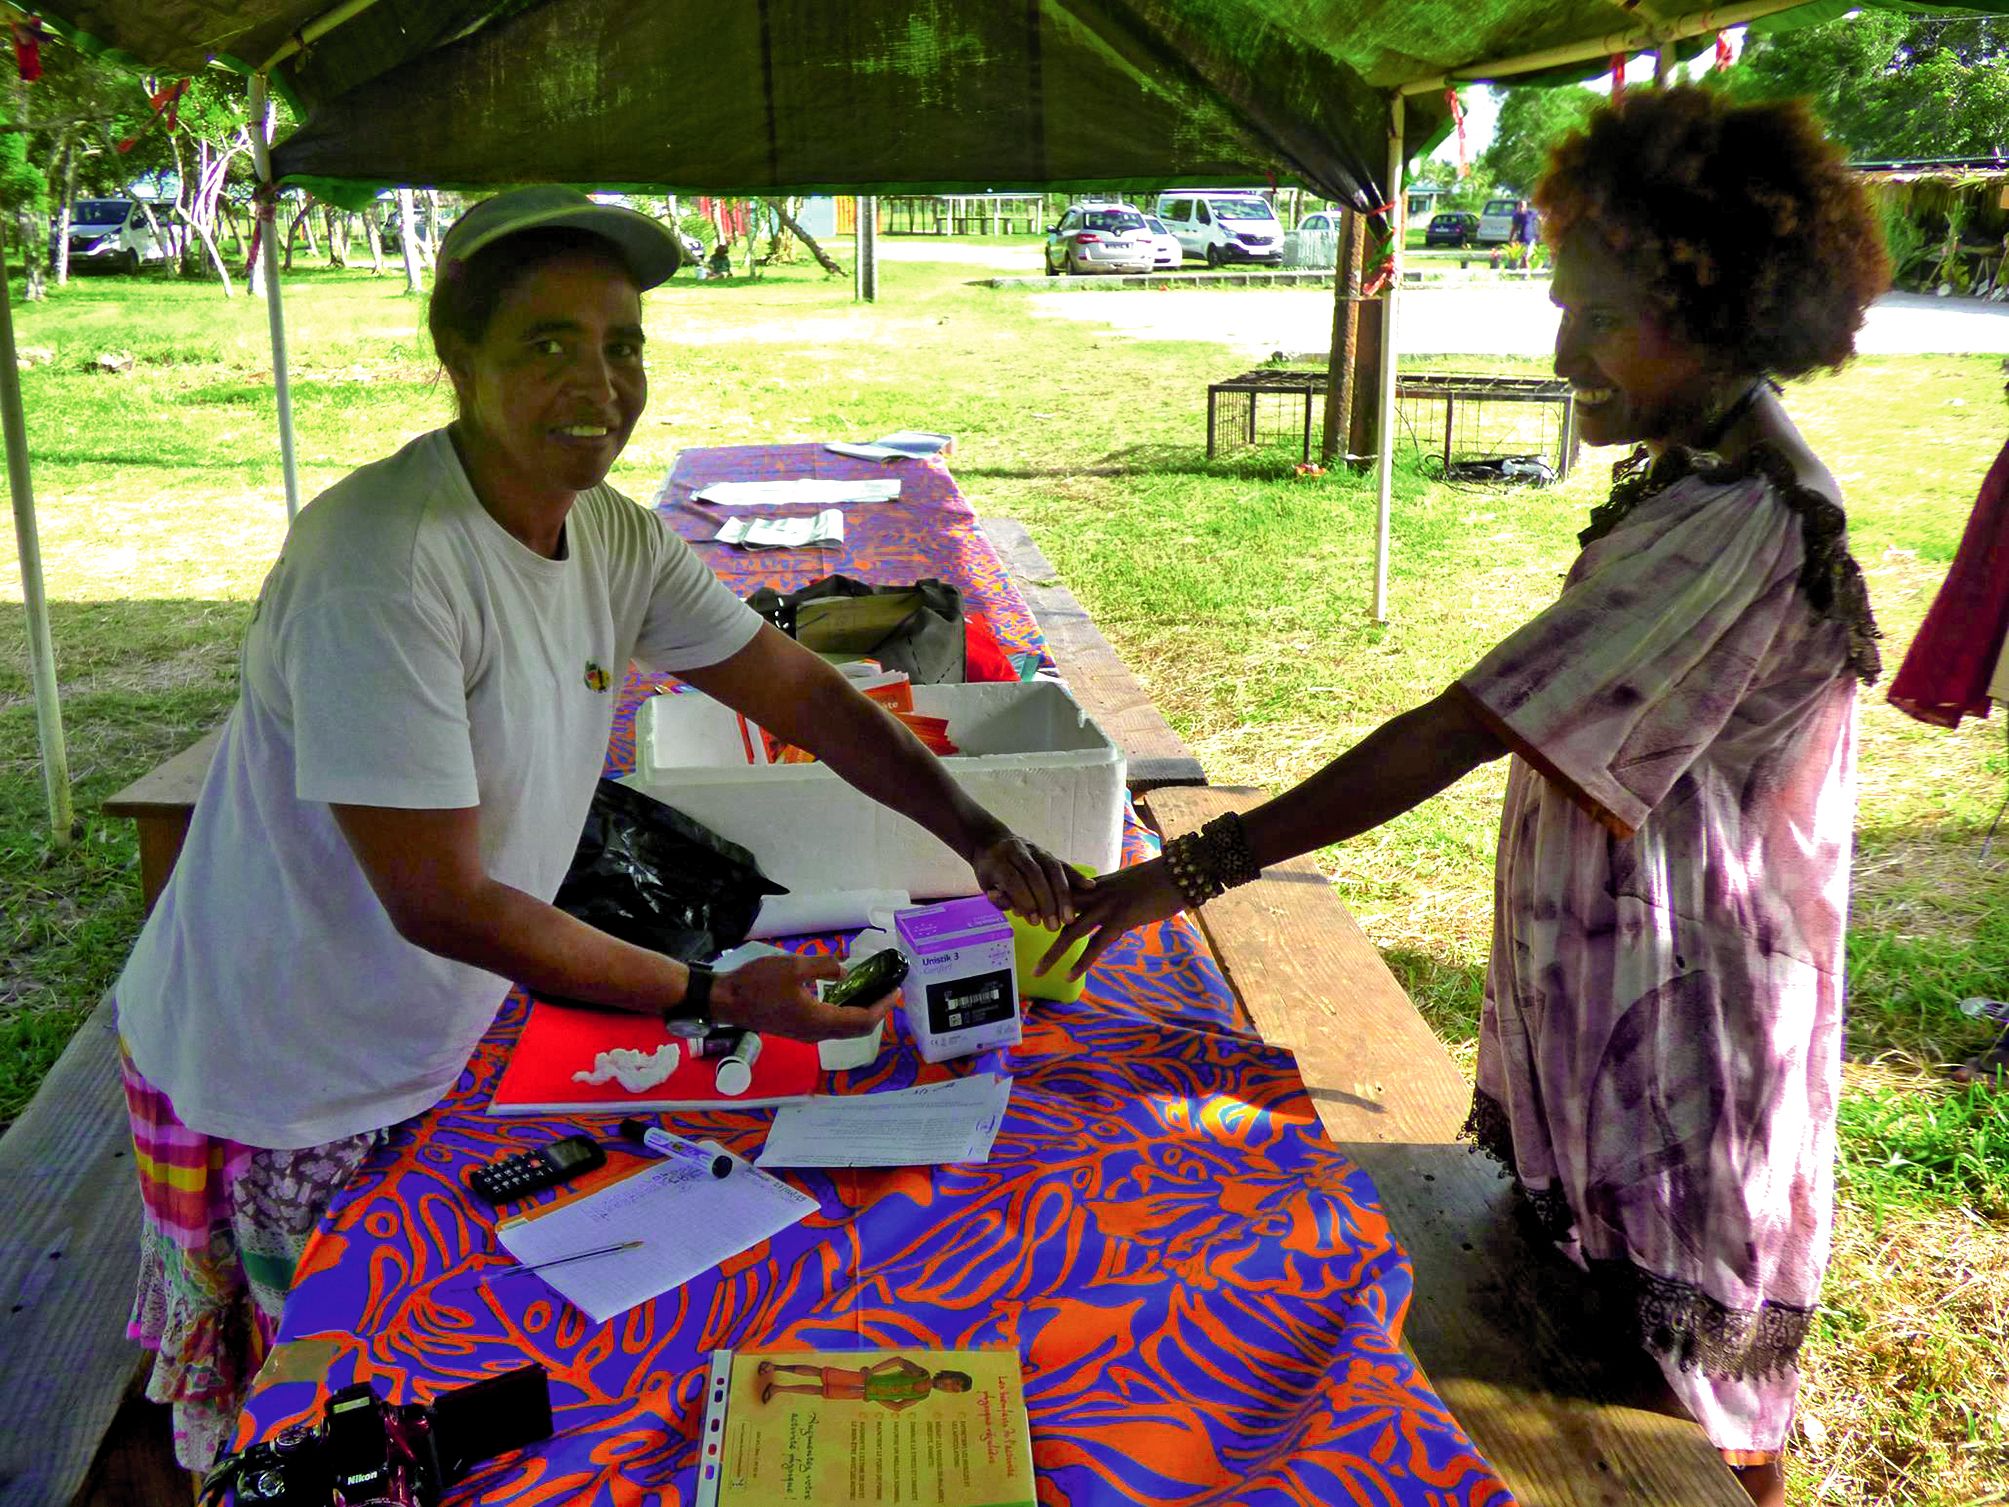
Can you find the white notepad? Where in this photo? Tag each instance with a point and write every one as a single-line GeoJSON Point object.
{"type": "Point", "coordinates": [687, 1220]}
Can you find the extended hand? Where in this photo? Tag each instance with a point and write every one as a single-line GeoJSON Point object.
{"type": "Point", "coordinates": [1017, 876]}
{"type": "Point", "coordinates": [1119, 902]}
{"type": "Point", "coordinates": [778, 995]}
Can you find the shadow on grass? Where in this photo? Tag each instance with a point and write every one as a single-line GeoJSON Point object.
{"type": "Point", "coordinates": [140, 682]}
{"type": "Point", "coordinates": [1275, 463]}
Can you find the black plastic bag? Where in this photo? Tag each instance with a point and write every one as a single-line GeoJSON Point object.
{"type": "Point", "coordinates": [649, 874]}
{"type": "Point", "coordinates": [917, 628]}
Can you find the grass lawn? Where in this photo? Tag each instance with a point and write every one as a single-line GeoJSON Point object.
{"type": "Point", "coordinates": [1237, 591]}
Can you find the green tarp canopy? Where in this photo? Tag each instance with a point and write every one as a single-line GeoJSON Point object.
{"type": "Point", "coordinates": [877, 95]}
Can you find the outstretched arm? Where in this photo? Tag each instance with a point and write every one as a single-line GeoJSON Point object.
{"type": "Point", "coordinates": [1400, 764]}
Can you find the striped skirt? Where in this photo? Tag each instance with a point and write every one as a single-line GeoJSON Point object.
{"type": "Point", "coordinates": [223, 1225]}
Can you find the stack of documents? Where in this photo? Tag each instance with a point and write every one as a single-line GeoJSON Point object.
{"type": "Point", "coordinates": [824, 530]}
{"type": "Point", "coordinates": [799, 491]}
{"type": "Point", "coordinates": [929, 1126]}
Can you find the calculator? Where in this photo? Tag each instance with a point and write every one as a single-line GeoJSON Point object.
{"type": "Point", "coordinates": [518, 1176]}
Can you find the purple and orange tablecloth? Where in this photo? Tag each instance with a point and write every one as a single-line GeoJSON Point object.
{"type": "Point", "coordinates": [1203, 1290]}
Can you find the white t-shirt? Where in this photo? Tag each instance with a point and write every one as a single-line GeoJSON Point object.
{"type": "Point", "coordinates": [407, 651]}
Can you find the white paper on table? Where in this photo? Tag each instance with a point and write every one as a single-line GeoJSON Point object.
{"type": "Point", "coordinates": [868, 452]}
{"type": "Point", "coordinates": [827, 527]}
{"type": "Point", "coordinates": [687, 1220]}
{"type": "Point", "coordinates": [800, 491]}
{"type": "Point", "coordinates": [930, 1126]}
{"type": "Point", "coordinates": [800, 914]}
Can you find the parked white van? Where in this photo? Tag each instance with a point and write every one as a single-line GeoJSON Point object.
{"type": "Point", "coordinates": [1223, 225]}
{"type": "Point", "coordinates": [113, 232]}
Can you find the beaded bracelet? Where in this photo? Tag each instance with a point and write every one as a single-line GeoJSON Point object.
{"type": "Point", "coordinates": [1192, 871]}
{"type": "Point", "coordinates": [1234, 861]}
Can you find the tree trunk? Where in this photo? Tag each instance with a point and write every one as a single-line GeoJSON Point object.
{"type": "Point", "coordinates": [336, 223]}
{"type": "Point", "coordinates": [408, 242]}
{"type": "Point", "coordinates": [427, 248]}
{"type": "Point", "coordinates": [788, 223]}
{"type": "Point", "coordinates": [66, 200]}
{"type": "Point", "coordinates": [373, 232]}
{"type": "Point", "coordinates": [215, 257]}
{"type": "Point", "coordinates": [34, 286]}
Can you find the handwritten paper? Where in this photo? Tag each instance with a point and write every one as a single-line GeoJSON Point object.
{"type": "Point", "coordinates": [687, 1220]}
{"type": "Point", "coordinates": [930, 1126]}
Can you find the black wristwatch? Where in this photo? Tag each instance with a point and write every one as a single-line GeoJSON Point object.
{"type": "Point", "coordinates": [692, 1015]}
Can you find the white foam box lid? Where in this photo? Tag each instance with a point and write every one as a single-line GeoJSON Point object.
{"type": "Point", "coordinates": [1029, 755]}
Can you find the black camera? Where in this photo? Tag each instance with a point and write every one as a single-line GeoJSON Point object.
{"type": "Point", "coordinates": [367, 1452]}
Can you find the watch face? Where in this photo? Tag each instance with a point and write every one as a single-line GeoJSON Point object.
{"type": "Point", "coordinates": [690, 1027]}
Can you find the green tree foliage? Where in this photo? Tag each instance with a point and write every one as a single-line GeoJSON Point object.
{"type": "Point", "coordinates": [1890, 86]}
{"type": "Point", "coordinates": [23, 188]}
{"type": "Point", "coordinates": [1531, 121]}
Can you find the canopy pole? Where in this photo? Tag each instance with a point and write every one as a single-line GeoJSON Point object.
{"type": "Point", "coordinates": [313, 31]}
{"type": "Point", "coordinates": [275, 311]}
{"type": "Point", "coordinates": [1639, 39]}
{"type": "Point", "coordinates": [865, 276]}
{"type": "Point", "coordinates": [1385, 465]}
{"type": "Point", "coordinates": [34, 597]}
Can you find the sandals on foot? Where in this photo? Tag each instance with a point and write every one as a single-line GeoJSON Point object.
{"type": "Point", "coordinates": [1984, 1066]}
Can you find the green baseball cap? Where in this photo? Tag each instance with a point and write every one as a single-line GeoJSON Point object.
{"type": "Point", "coordinates": [650, 249]}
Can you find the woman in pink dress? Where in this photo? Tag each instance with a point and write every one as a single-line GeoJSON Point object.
{"type": "Point", "coordinates": [1659, 1055]}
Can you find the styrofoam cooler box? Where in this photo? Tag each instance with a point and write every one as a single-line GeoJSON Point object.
{"type": "Point", "coordinates": [1029, 755]}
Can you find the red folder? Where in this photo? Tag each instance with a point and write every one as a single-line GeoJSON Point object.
{"type": "Point", "coordinates": [560, 1040]}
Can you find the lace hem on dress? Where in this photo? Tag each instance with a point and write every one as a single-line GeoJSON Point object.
{"type": "Point", "coordinates": [1830, 576]}
{"type": "Point", "coordinates": [1677, 1320]}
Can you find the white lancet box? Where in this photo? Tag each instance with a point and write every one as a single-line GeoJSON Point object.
{"type": "Point", "coordinates": [961, 993]}
{"type": "Point", "coordinates": [1028, 754]}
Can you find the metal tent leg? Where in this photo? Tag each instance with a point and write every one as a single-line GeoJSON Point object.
{"type": "Point", "coordinates": [34, 597]}
{"type": "Point", "coordinates": [1385, 465]}
{"type": "Point", "coordinates": [261, 116]}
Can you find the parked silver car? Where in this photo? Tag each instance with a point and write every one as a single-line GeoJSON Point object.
{"type": "Point", "coordinates": [1099, 238]}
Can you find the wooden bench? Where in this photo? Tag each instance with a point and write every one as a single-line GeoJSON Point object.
{"type": "Point", "coordinates": [1569, 1412]}
{"type": "Point", "coordinates": [1102, 684]}
{"type": "Point", "coordinates": [78, 1431]}
{"type": "Point", "coordinates": [161, 802]}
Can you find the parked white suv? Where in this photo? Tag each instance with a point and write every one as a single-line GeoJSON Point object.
{"type": "Point", "coordinates": [1223, 225]}
{"type": "Point", "coordinates": [1099, 238]}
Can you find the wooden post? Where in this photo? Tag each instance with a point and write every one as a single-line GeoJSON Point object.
{"type": "Point", "coordinates": [1340, 362]}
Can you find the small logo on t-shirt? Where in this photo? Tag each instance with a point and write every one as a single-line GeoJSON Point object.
{"type": "Point", "coordinates": [598, 679]}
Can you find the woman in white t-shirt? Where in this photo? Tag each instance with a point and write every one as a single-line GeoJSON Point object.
{"type": "Point", "coordinates": [427, 691]}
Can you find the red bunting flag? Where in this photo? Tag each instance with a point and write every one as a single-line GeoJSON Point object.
{"type": "Point", "coordinates": [1457, 109]}
{"type": "Point", "coordinates": [1618, 75]}
{"type": "Point", "coordinates": [28, 34]}
{"type": "Point", "coordinates": [166, 102]}
{"type": "Point", "coordinates": [1722, 51]}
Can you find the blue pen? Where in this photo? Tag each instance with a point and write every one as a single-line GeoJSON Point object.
{"type": "Point", "coordinates": [674, 1146]}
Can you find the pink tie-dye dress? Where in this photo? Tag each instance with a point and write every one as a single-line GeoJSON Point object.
{"type": "Point", "coordinates": [1660, 1051]}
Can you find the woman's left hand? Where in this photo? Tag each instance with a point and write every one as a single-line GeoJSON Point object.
{"type": "Point", "coordinates": [1020, 877]}
{"type": "Point", "coordinates": [1120, 902]}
